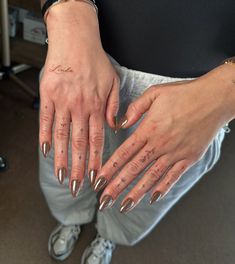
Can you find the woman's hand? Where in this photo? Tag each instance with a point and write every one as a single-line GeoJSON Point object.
{"type": "Point", "coordinates": [80, 86]}
{"type": "Point", "coordinates": [180, 121]}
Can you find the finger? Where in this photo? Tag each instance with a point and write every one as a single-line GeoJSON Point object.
{"type": "Point", "coordinates": [120, 157]}
{"type": "Point", "coordinates": [46, 124]}
{"type": "Point", "coordinates": [137, 108]}
{"type": "Point", "coordinates": [169, 180]}
{"type": "Point", "coordinates": [96, 145]}
{"type": "Point", "coordinates": [146, 183]}
{"type": "Point", "coordinates": [118, 185]}
{"type": "Point", "coordinates": [113, 104]}
{"type": "Point", "coordinates": [79, 152]}
{"type": "Point", "coordinates": [61, 141]}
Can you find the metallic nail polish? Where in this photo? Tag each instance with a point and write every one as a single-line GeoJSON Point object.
{"type": "Point", "coordinates": [75, 187]}
{"type": "Point", "coordinates": [100, 183]}
{"type": "Point", "coordinates": [155, 197]}
{"type": "Point", "coordinates": [92, 175]}
{"type": "Point", "coordinates": [45, 149]}
{"type": "Point", "coordinates": [61, 174]}
{"type": "Point", "coordinates": [115, 120]}
{"type": "Point", "coordinates": [106, 202]}
{"type": "Point", "coordinates": [127, 205]}
{"type": "Point", "coordinates": [123, 121]}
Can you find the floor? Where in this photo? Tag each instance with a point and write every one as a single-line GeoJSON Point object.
{"type": "Point", "coordinates": [198, 230]}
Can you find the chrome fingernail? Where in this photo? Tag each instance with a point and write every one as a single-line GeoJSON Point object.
{"type": "Point", "coordinates": [100, 183]}
{"type": "Point", "coordinates": [45, 149]}
{"type": "Point", "coordinates": [127, 205]}
{"type": "Point", "coordinates": [123, 121]}
{"type": "Point", "coordinates": [92, 175]}
{"type": "Point", "coordinates": [106, 202]}
{"type": "Point", "coordinates": [75, 187]}
{"type": "Point", "coordinates": [155, 197]}
{"type": "Point", "coordinates": [61, 174]}
{"type": "Point", "coordinates": [115, 120]}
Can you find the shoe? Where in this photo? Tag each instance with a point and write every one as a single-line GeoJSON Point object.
{"type": "Point", "coordinates": [62, 241]}
{"type": "Point", "coordinates": [99, 252]}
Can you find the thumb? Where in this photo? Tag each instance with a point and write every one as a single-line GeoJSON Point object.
{"type": "Point", "coordinates": [137, 108]}
{"type": "Point", "coordinates": [113, 104]}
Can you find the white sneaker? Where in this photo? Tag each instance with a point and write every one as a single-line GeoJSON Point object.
{"type": "Point", "coordinates": [99, 252]}
{"type": "Point", "coordinates": [62, 241]}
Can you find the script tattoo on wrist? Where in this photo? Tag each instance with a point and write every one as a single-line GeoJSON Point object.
{"type": "Point", "coordinates": [60, 69]}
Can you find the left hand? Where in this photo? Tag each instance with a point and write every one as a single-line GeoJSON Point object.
{"type": "Point", "coordinates": [181, 119]}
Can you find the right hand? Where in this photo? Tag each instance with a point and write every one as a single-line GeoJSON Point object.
{"type": "Point", "coordinates": [79, 89]}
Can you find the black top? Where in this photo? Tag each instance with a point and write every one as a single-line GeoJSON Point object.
{"type": "Point", "coordinates": [178, 38]}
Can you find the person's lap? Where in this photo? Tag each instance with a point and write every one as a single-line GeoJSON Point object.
{"type": "Point", "coordinates": [125, 229]}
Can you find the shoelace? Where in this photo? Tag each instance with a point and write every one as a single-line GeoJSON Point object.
{"type": "Point", "coordinates": [67, 231]}
{"type": "Point", "coordinates": [100, 245]}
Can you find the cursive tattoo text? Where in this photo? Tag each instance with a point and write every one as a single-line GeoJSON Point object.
{"type": "Point", "coordinates": [60, 69]}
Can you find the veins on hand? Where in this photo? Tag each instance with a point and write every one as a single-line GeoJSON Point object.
{"type": "Point", "coordinates": [60, 69]}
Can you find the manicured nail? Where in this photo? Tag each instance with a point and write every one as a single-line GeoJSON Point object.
{"type": "Point", "coordinates": [155, 197]}
{"type": "Point", "coordinates": [61, 174]}
{"type": "Point", "coordinates": [106, 202]}
{"type": "Point", "coordinates": [123, 121]}
{"type": "Point", "coordinates": [115, 120]}
{"type": "Point", "coordinates": [45, 149]}
{"type": "Point", "coordinates": [127, 205]}
{"type": "Point", "coordinates": [75, 187]}
{"type": "Point", "coordinates": [100, 183]}
{"type": "Point", "coordinates": [92, 175]}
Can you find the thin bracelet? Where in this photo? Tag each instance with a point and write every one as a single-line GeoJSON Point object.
{"type": "Point", "coordinates": [49, 3]}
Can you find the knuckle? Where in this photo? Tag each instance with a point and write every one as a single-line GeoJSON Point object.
{"type": "Point", "coordinates": [97, 138]}
{"type": "Point", "coordinates": [123, 153]}
{"type": "Point", "coordinates": [44, 117]}
{"type": "Point", "coordinates": [133, 167]}
{"type": "Point", "coordinates": [79, 143]}
{"type": "Point", "coordinates": [61, 134]}
{"type": "Point", "coordinates": [132, 107]}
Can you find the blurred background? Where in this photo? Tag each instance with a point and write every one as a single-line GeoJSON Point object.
{"type": "Point", "coordinates": [199, 229]}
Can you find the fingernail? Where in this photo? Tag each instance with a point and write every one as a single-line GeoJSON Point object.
{"type": "Point", "coordinates": [75, 187]}
{"type": "Point", "coordinates": [123, 121]}
{"type": "Point", "coordinates": [61, 174]}
{"type": "Point", "coordinates": [115, 120]}
{"type": "Point", "coordinates": [92, 175]}
{"type": "Point", "coordinates": [45, 149]}
{"type": "Point", "coordinates": [127, 205]}
{"type": "Point", "coordinates": [100, 183]}
{"type": "Point", "coordinates": [155, 197]}
{"type": "Point", "coordinates": [106, 202]}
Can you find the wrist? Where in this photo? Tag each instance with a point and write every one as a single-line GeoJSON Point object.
{"type": "Point", "coordinates": [224, 81]}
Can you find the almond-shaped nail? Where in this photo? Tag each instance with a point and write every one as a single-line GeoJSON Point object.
{"type": "Point", "coordinates": [106, 202]}
{"type": "Point", "coordinates": [155, 197]}
{"type": "Point", "coordinates": [92, 175]}
{"type": "Point", "coordinates": [100, 183]}
{"type": "Point", "coordinates": [115, 121]}
{"type": "Point", "coordinates": [75, 187]}
{"type": "Point", "coordinates": [62, 172]}
{"type": "Point", "coordinates": [122, 123]}
{"type": "Point", "coordinates": [127, 205]}
{"type": "Point", "coordinates": [45, 148]}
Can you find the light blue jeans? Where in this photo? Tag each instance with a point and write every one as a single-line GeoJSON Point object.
{"type": "Point", "coordinates": [124, 229]}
